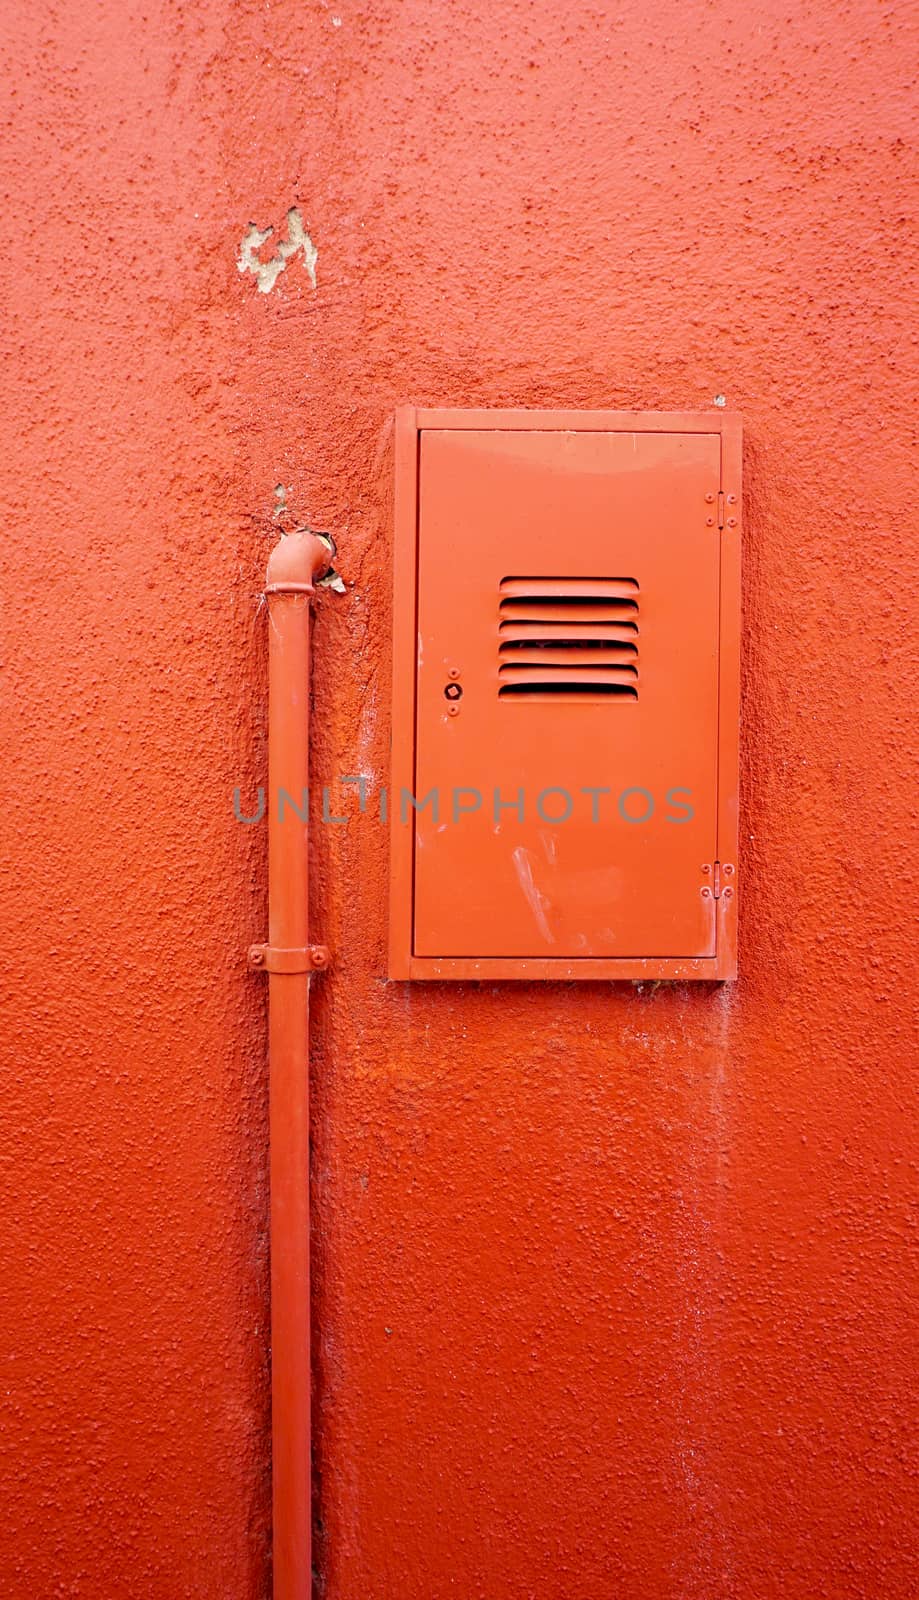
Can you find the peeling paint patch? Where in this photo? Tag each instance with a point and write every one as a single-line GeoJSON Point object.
{"type": "Point", "coordinates": [268, 272]}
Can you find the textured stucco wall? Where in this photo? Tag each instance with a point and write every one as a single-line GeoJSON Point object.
{"type": "Point", "coordinates": [612, 1286]}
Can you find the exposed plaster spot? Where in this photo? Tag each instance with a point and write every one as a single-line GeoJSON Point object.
{"type": "Point", "coordinates": [282, 508]}
{"type": "Point", "coordinates": [720, 400]}
{"type": "Point", "coordinates": [268, 272]}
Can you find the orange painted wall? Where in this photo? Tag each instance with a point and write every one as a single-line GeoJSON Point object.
{"type": "Point", "coordinates": [613, 1294]}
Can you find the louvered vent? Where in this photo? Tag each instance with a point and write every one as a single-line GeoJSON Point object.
{"type": "Point", "coordinates": [568, 638]}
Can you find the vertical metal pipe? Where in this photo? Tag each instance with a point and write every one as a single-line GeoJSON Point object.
{"type": "Point", "coordinates": [288, 958]}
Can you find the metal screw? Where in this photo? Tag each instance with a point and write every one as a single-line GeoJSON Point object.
{"type": "Point", "coordinates": [732, 499]}
{"type": "Point", "coordinates": [319, 958]}
{"type": "Point", "coordinates": [709, 498]}
{"type": "Point", "coordinates": [728, 893]}
{"type": "Point", "coordinates": [706, 868]}
{"type": "Point", "coordinates": [453, 673]}
{"type": "Point", "coordinates": [257, 957]}
{"type": "Point", "coordinates": [709, 522]}
{"type": "Point", "coordinates": [729, 870]}
{"type": "Point", "coordinates": [732, 522]}
{"type": "Point", "coordinates": [453, 711]}
{"type": "Point", "coordinates": [706, 894]}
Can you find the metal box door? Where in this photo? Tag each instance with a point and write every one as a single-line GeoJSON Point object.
{"type": "Point", "coordinates": [563, 806]}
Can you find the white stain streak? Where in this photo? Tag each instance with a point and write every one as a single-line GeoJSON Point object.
{"type": "Point", "coordinates": [550, 846]}
{"type": "Point", "coordinates": [537, 902]}
{"type": "Point", "coordinates": [268, 272]}
{"type": "Point", "coordinates": [366, 733]}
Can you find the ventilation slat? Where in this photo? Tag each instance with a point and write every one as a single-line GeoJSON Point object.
{"type": "Point", "coordinates": [540, 654]}
{"type": "Point", "coordinates": [568, 638]}
{"type": "Point", "coordinates": [564, 633]}
{"type": "Point", "coordinates": [561, 608]}
{"type": "Point", "coordinates": [570, 691]}
{"type": "Point", "coordinates": [572, 675]}
{"type": "Point", "coordinates": [550, 588]}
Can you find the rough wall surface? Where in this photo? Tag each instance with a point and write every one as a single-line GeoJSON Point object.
{"type": "Point", "coordinates": [612, 1286]}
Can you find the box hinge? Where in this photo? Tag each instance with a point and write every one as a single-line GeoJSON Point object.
{"type": "Point", "coordinates": [715, 873]}
{"type": "Point", "coordinates": [720, 510]}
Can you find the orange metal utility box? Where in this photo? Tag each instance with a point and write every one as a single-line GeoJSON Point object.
{"type": "Point", "coordinates": [566, 675]}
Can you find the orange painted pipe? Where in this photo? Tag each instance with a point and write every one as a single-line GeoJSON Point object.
{"type": "Point", "coordinates": [293, 567]}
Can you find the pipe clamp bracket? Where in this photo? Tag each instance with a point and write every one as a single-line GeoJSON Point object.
{"type": "Point", "coordinates": [269, 958]}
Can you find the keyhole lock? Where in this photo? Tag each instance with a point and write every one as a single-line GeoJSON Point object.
{"type": "Point", "coordinates": [453, 691]}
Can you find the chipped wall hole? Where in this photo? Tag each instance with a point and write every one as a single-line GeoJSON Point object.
{"type": "Point", "coordinates": [267, 272]}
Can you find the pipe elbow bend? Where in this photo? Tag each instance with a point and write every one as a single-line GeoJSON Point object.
{"type": "Point", "coordinates": [297, 561]}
